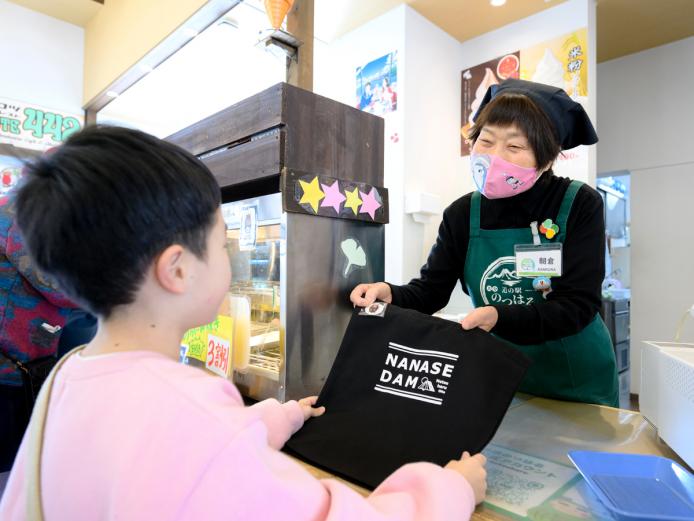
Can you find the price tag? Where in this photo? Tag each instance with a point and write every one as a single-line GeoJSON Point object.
{"type": "Point", "coordinates": [218, 355]}
{"type": "Point", "coordinates": [538, 260]}
{"type": "Point", "coordinates": [249, 229]}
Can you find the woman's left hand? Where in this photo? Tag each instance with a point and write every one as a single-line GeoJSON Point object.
{"type": "Point", "coordinates": [484, 318]}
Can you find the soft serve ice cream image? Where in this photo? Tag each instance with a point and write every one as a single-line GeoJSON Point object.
{"type": "Point", "coordinates": [488, 80]}
{"type": "Point", "coordinates": [549, 71]}
{"type": "Point", "coordinates": [475, 83]}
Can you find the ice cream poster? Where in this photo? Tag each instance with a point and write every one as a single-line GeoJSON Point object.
{"type": "Point", "coordinates": [377, 85]}
{"type": "Point", "coordinates": [475, 82]}
{"type": "Point", "coordinates": [561, 62]}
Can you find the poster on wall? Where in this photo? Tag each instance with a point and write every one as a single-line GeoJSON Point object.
{"type": "Point", "coordinates": [31, 126]}
{"type": "Point", "coordinates": [10, 172]}
{"type": "Point", "coordinates": [561, 62]}
{"type": "Point", "coordinates": [475, 82]}
{"type": "Point", "coordinates": [377, 85]}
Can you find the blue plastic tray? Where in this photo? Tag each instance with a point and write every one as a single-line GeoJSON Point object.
{"type": "Point", "coordinates": [634, 487]}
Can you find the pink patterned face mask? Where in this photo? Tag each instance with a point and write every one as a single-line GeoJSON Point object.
{"type": "Point", "coordinates": [497, 179]}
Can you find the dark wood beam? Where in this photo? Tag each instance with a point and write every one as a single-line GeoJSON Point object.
{"type": "Point", "coordinates": [300, 24]}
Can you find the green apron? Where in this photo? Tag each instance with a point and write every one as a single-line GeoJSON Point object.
{"type": "Point", "coordinates": [579, 367]}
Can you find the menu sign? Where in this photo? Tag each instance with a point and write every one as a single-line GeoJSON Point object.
{"type": "Point", "coordinates": [35, 127]}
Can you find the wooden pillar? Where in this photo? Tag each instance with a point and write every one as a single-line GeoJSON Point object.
{"type": "Point", "coordinates": [300, 25]}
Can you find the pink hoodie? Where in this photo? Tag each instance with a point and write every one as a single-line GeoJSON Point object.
{"type": "Point", "coordinates": [137, 436]}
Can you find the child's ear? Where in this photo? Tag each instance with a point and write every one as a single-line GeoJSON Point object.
{"type": "Point", "coordinates": [170, 269]}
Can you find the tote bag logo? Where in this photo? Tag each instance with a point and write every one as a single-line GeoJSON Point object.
{"type": "Point", "coordinates": [416, 374]}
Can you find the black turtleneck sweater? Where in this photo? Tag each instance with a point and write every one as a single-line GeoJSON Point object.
{"type": "Point", "coordinates": [576, 295]}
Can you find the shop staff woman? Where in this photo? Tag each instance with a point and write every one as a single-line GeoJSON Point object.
{"type": "Point", "coordinates": [527, 246]}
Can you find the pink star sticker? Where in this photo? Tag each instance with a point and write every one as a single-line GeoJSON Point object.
{"type": "Point", "coordinates": [333, 196]}
{"type": "Point", "coordinates": [370, 204]}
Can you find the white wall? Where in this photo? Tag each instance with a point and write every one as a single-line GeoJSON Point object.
{"type": "Point", "coordinates": [646, 109]}
{"type": "Point", "coordinates": [42, 59]}
{"type": "Point", "coordinates": [427, 156]}
{"type": "Point", "coordinates": [432, 131]}
{"type": "Point", "coordinates": [662, 271]}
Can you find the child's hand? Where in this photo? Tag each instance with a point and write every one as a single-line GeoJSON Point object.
{"type": "Point", "coordinates": [472, 469]}
{"type": "Point", "coordinates": [307, 406]}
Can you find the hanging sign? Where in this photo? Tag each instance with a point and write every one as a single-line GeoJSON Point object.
{"type": "Point", "coordinates": [35, 127]}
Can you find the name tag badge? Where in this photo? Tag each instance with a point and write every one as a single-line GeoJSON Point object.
{"type": "Point", "coordinates": [538, 260]}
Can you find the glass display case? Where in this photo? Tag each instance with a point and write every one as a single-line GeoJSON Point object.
{"type": "Point", "coordinates": [254, 241]}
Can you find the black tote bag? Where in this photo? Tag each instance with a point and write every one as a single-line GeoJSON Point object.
{"type": "Point", "coordinates": [408, 387]}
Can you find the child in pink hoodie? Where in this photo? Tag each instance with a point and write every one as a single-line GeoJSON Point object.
{"type": "Point", "coordinates": [130, 227]}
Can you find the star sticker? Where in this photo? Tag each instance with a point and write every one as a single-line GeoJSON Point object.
{"type": "Point", "coordinates": [312, 193]}
{"type": "Point", "coordinates": [333, 196]}
{"type": "Point", "coordinates": [353, 200]}
{"type": "Point", "coordinates": [370, 203]}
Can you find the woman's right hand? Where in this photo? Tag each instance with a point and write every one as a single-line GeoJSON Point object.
{"type": "Point", "coordinates": [366, 294]}
{"type": "Point", "coordinates": [472, 469]}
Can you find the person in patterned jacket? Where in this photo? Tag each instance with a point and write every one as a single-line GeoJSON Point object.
{"type": "Point", "coordinates": [32, 314]}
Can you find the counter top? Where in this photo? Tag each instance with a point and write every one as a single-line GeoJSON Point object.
{"type": "Point", "coordinates": [529, 473]}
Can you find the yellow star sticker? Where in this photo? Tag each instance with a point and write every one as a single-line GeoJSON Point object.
{"type": "Point", "coordinates": [353, 200]}
{"type": "Point", "coordinates": [312, 193]}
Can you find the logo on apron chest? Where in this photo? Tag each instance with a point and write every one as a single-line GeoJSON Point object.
{"type": "Point", "coordinates": [416, 374]}
{"type": "Point", "coordinates": [501, 285]}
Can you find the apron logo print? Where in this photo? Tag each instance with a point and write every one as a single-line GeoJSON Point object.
{"type": "Point", "coordinates": [408, 371]}
{"type": "Point", "coordinates": [501, 285]}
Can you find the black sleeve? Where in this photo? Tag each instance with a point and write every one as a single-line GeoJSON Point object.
{"type": "Point", "coordinates": [432, 290]}
{"type": "Point", "coordinates": [576, 295]}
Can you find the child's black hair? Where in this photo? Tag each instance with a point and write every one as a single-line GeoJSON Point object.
{"type": "Point", "coordinates": [97, 211]}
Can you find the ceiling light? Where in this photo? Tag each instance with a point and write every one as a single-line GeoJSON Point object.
{"type": "Point", "coordinates": [146, 68]}
{"type": "Point", "coordinates": [112, 94]}
{"type": "Point", "coordinates": [190, 33]}
{"type": "Point", "coordinates": [497, 3]}
{"type": "Point", "coordinates": [227, 20]}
